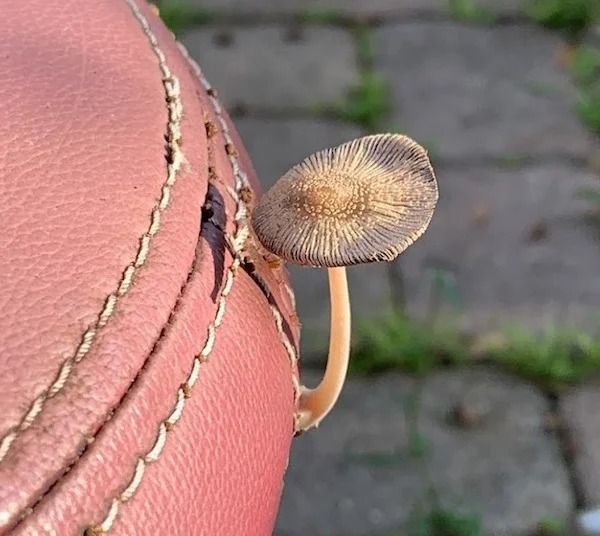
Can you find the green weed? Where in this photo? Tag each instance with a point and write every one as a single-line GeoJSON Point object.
{"type": "Point", "coordinates": [557, 357]}
{"type": "Point", "coordinates": [320, 15]}
{"type": "Point", "coordinates": [430, 518]}
{"type": "Point", "coordinates": [588, 107]}
{"type": "Point", "coordinates": [398, 342]}
{"type": "Point", "coordinates": [418, 445]}
{"type": "Point", "coordinates": [471, 11]}
{"type": "Point", "coordinates": [365, 53]}
{"type": "Point", "coordinates": [550, 526]}
{"type": "Point", "coordinates": [554, 358]}
{"type": "Point", "coordinates": [179, 16]}
{"type": "Point", "coordinates": [585, 65]}
{"type": "Point", "coordinates": [377, 459]}
{"type": "Point", "coordinates": [441, 522]}
{"type": "Point", "coordinates": [572, 17]}
{"type": "Point", "coordinates": [591, 194]}
{"type": "Point", "coordinates": [367, 104]}
{"type": "Point", "coordinates": [512, 161]}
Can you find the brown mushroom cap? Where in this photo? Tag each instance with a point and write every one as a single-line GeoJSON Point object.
{"type": "Point", "coordinates": [363, 201]}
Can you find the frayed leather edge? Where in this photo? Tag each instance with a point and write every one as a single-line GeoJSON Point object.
{"type": "Point", "coordinates": [290, 349]}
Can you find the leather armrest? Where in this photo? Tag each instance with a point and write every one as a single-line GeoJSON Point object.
{"type": "Point", "coordinates": [148, 373]}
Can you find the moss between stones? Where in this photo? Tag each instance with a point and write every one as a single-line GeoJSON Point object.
{"type": "Point", "coordinates": [553, 359]}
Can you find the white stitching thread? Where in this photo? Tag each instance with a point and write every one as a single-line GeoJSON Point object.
{"type": "Point", "coordinates": [290, 349]}
{"type": "Point", "coordinates": [291, 352]}
{"type": "Point", "coordinates": [238, 242]}
{"type": "Point", "coordinates": [291, 294]}
{"type": "Point", "coordinates": [175, 161]}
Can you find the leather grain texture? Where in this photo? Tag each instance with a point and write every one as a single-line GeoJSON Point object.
{"type": "Point", "coordinates": [148, 377]}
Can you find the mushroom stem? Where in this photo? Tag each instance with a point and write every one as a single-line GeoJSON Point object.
{"type": "Point", "coordinates": [316, 403]}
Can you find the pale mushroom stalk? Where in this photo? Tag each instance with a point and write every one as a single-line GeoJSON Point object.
{"type": "Point", "coordinates": [316, 403]}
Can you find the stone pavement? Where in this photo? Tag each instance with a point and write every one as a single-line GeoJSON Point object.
{"type": "Point", "coordinates": [495, 109]}
{"type": "Point", "coordinates": [356, 475]}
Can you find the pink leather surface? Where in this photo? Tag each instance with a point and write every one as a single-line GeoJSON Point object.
{"type": "Point", "coordinates": [147, 382]}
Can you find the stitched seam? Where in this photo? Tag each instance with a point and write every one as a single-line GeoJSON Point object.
{"type": "Point", "coordinates": [237, 243]}
{"type": "Point", "coordinates": [185, 391]}
{"type": "Point", "coordinates": [90, 440]}
{"type": "Point", "coordinates": [289, 347]}
{"type": "Point", "coordinates": [175, 160]}
{"type": "Point", "coordinates": [290, 293]}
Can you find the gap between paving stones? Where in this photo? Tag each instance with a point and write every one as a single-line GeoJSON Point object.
{"type": "Point", "coordinates": [320, 13]}
{"type": "Point", "coordinates": [345, 21]}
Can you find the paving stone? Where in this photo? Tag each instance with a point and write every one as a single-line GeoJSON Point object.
{"type": "Point", "coordinates": [354, 475]}
{"type": "Point", "coordinates": [261, 69]}
{"type": "Point", "coordinates": [581, 412]}
{"type": "Point", "coordinates": [515, 242]}
{"type": "Point", "coordinates": [473, 92]}
{"type": "Point", "coordinates": [356, 7]}
{"type": "Point", "coordinates": [275, 145]}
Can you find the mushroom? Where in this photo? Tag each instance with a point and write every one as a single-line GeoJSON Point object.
{"type": "Point", "coordinates": [364, 201]}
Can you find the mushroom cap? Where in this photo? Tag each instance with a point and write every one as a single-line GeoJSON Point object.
{"type": "Point", "coordinates": [363, 201]}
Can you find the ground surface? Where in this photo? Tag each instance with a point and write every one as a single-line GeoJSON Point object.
{"type": "Point", "coordinates": [495, 108]}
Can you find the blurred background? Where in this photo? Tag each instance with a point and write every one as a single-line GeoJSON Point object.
{"type": "Point", "coordinates": [473, 407]}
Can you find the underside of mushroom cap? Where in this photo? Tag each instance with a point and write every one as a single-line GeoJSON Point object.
{"type": "Point", "coordinates": [363, 201]}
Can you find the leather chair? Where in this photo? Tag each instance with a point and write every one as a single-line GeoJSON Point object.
{"type": "Point", "coordinates": [148, 377]}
